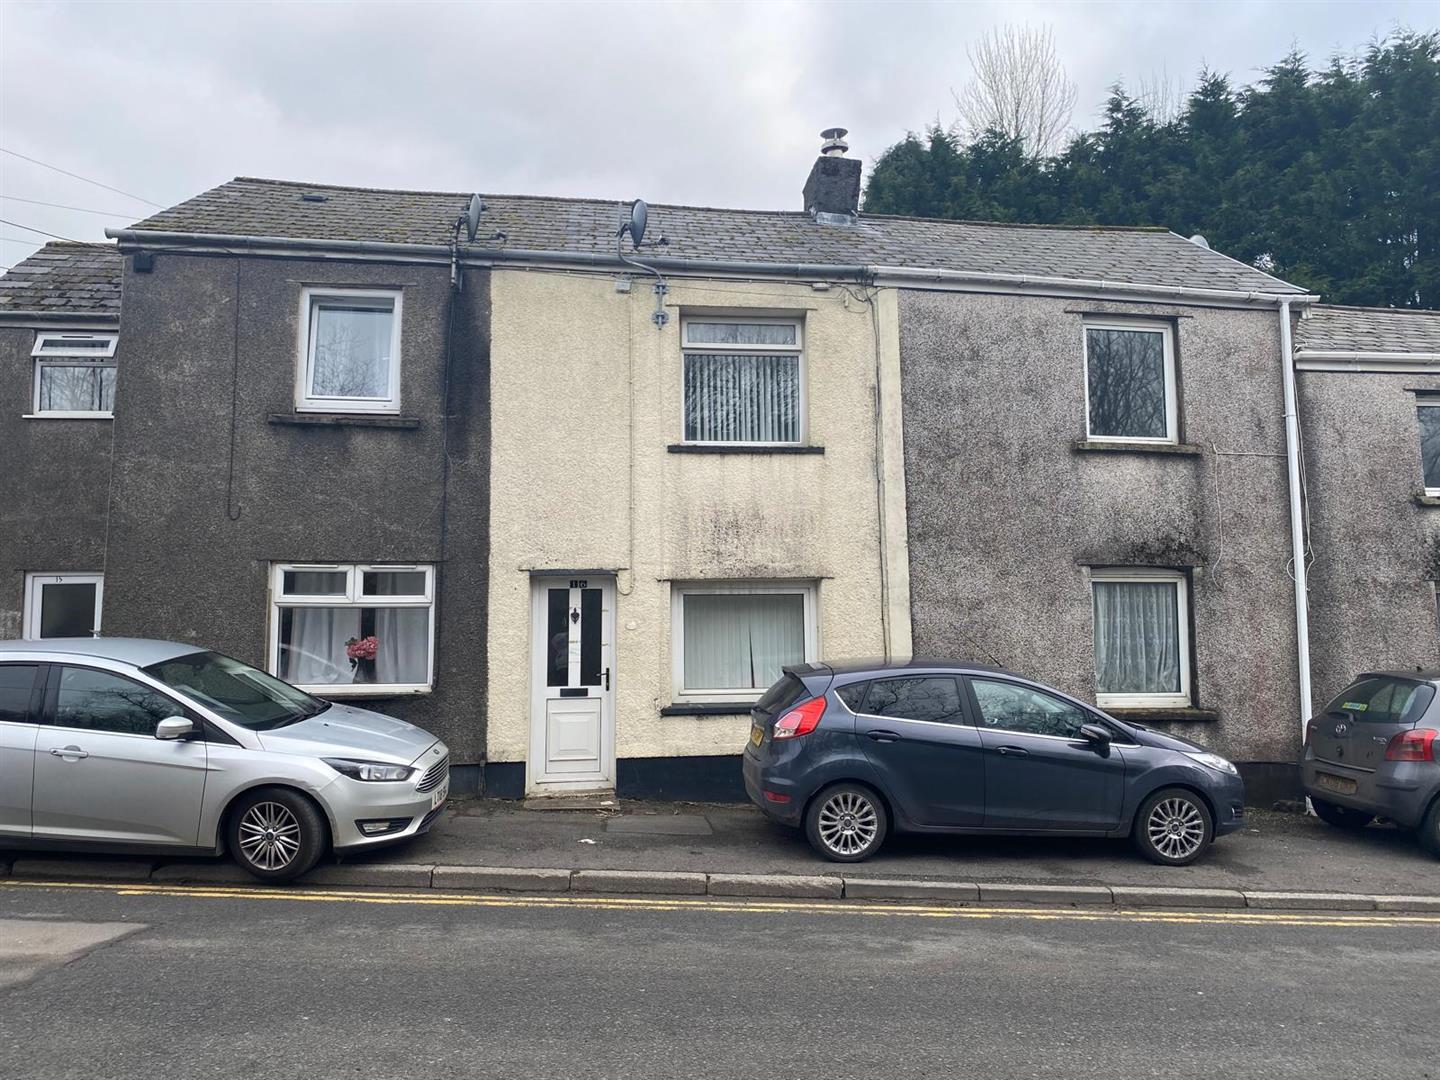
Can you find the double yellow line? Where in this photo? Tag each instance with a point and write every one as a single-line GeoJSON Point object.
{"type": "Point", "coordinates": [865, 909]}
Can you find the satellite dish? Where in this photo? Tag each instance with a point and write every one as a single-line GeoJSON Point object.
{"type": "Point", "coordinates": [639, 215]}
{"type": "Point", "coordinates": [1200, 241]}
{"type": "Point", "coordinates": [472, 216]}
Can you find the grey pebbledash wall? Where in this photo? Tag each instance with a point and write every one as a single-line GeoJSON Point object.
{"type": "Point", "coordinates": [217, 481]}
{"type": "Point", "coordinates": [1375, 543]}
{"type": "Point", "coordinates": [1007, 516]}
{"type": "Point", "coordinates": [53, 479]}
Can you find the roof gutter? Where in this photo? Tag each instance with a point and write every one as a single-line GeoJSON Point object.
{"type": "Point", "coordinates": [59, 316]}
{"type": "Point", "coordinates": [880, 275]}
{"type": "Point", "coordinates": [1343, 360]}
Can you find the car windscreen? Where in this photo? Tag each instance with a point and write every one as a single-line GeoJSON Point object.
{"type": "Point", "coordinates": [238, 692]}
{"type": "Point", "coordinates": [1384, 699]}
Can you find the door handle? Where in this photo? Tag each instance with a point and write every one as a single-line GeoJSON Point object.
{"type": "Point", "coordinates": [881, 735]}
{"type": "Point", "coordinates": [68, 752]}
{"type": "Point", "coordinates": [607, 678]}
{"type": "Point", "coordinates": [1012, 751]}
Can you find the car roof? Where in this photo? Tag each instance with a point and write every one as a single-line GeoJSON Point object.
{"type": "Point", "coordinates": [140, 652]}
{"type": "Point", "coordinates": [1411, 676]}
{"type": "Point", "coordinates": [878, 665]}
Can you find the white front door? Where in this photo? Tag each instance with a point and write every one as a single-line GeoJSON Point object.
{"type": "Point", "coordinates": [572, 724]}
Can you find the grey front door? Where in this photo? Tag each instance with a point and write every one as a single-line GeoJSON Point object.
{"type": "Point", "coordinates": [19, 711]}
{"type": "Point", "coordinates": [1039, 772]}
{"type": "Point", "coordinates": [100, 773]}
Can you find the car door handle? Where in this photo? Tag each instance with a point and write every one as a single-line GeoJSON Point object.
{"type": "Point", "coordinates": [881, 735]}
{"type": "Point", "coordinates": [68, 752]}
{"type": "Point", "coordinates": [1012, 751]}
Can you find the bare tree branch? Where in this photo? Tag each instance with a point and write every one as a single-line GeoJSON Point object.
{"type": "Point", "coordinates": [1019, 87]}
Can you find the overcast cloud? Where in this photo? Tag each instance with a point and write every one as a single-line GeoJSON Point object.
{"type": "Point", "coordinates": [706, 103]}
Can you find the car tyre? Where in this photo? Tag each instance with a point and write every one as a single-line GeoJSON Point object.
{"type": "Point", "coordinates": [276, 834]}
{"type": "Point", "coordinates": [1429, 832]}
{"type": "Point", "coordinates": [1342, 817]}
{"type": "Point", "coordinates": [1173, 827]}
{"type": "Point", "coordinates": [846, 823]}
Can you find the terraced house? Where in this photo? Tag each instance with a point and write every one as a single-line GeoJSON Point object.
{"type": "Point", "coordinates": [590, 495]}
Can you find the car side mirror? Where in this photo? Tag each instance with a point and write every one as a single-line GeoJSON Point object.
{"type": "Point", "coordinates": [174, 727]}
{"type": "Point", "coordinates": [1095, 734]}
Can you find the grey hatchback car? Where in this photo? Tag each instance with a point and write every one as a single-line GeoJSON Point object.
{"type": "Point", "coordinates": [152, 746]}
{"type": "Point", "coordinates": [850, 752]}
{"type": "Point", "coordinates": [1371, 754]}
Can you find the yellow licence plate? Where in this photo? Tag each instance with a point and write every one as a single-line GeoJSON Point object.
{"type": "Point", "coordinates": [757, 735]}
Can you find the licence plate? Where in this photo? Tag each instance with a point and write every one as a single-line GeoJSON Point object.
{"type": "Point", "coordinates": [1341, 785]}
{"type": "Point", "coordinates": [438, 795]}
{"type": "Point", "coordinates": [757, 734]}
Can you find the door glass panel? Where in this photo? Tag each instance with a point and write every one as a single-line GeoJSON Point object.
{"type": "Point", "coordinates": [67, 610]}
{"type": "Point", "coordinates": [933, 698]}
{"type": "Point", "coordinates": [589, 637]}
{"type": "Point", "coordinates": [557, 637]}
{"type": "Point", "coordinates": [1009, 707]}
{"type": "Point", "coordinates": [100, 701]}
{"type": "Point", "coordinates": [16, 683]}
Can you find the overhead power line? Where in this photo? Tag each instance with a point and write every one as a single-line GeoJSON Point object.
{"type": "Point", "coordinates": [77, 176]}
{"type": "Point", "coordinates": [126, 214]}
{"type": "Point", "coordinates": [42, 232]}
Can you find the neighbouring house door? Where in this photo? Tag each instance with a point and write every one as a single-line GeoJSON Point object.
{"type": "Point", "coordinates": [572, 726]}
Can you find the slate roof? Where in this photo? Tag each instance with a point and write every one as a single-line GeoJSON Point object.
{"type": "Point", "coordinates": [1335, 328]}
{"type": "Point", "coordinates": [65, 278]}
{"type": "Point", "coordinates": [247, 206]}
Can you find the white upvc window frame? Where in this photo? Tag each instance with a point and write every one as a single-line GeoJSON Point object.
{"type": "Point", "coordinates": [354, 597]}
{"type": "Point", "coordinates": [1166, 330]}
{"type": "Point", "coordinates": [62, 349]}
{"type": "Point", "coordinates": [680, 590]}
{"type": "Point", "coordinates": [1150, 575]}
{"type": "Point", "coordinates": [802, 390]}
{"type": "Point", "coordinates": [305, 401]}
{"type": "Point", "coordinates": [35, 584]}
{"type": "Point", "coordinates": [1425, 402]}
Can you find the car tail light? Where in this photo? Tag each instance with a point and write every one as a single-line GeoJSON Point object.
{"type": "Point", "coordinates": [1415, 745]}
{"type": "Point", "coordinates": [800, 720]}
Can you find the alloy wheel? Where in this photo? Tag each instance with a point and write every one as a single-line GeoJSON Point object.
{"type": "Point", "coordinates": [269, 835]}
{"type": "Point", "coordinates": [1176, 828]}
{"type": "Point", "coordinates": [848, 823]}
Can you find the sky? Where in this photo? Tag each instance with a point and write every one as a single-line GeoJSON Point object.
{"type": "Point", "coordinates": [714, 104]}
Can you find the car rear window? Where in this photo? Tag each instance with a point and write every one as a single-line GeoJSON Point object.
{"type": "Point", "coordinates": [1384, 699]}
{"type": "Point", "coordinates": [782, 695]}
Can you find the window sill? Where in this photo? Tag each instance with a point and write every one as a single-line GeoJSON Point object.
{"type": "Point", "coordinates": [735, 448]}
{"type": "Point", "coordinates": [1100, 446]}
{"type": "Point", "coordinates": [1424, 498]}
{"type": "Point", "coordinates": [1161, 714]}
{"type": "Point", "coordinates": [343, 420]}
{"type": "Point", "coordinates": [709, 708]}
{"type": "Point", "coordinates": [363, 690]}
{"type": "Point", "coordinates": [68, 416]}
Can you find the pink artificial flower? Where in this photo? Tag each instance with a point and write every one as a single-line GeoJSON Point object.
{"type": "Point", "coordinates": [365, 648]}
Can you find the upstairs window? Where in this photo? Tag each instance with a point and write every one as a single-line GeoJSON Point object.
{"type": "Point", "coordinates": [1429, 413]}
{"type": "Point", "coordinates": [349, 351]}
{"type": "Point", "coordinates": [1130, 382]}
{"type": "Point", "coordinates": [74, 375]}
{"type": "Point", "coordinates": [1142, 638]}
{"type": "Point", "coordinates": [744, 381]}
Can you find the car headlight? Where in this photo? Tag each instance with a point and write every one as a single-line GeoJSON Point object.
{"type": "Point", "coordinates": [1213, 761]}
{"type": "Point", "coordinates": [369, 770]}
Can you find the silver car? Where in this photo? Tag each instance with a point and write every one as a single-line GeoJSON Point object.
{"type": "Point", "coordinates": [122, 744]}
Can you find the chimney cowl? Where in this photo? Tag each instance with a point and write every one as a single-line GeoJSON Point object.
{"type": "Point", "coordinates": [832, 190]}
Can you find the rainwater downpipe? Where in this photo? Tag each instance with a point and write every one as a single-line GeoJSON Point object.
{"type": "Point", "coordinates": [1297, 515]}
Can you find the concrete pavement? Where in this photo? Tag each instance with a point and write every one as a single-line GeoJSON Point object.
{"type": "Point", "coordinates": [1278, 860]}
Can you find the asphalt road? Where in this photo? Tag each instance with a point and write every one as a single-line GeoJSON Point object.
{"type": "Point", "coordinates": [218, 982]}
